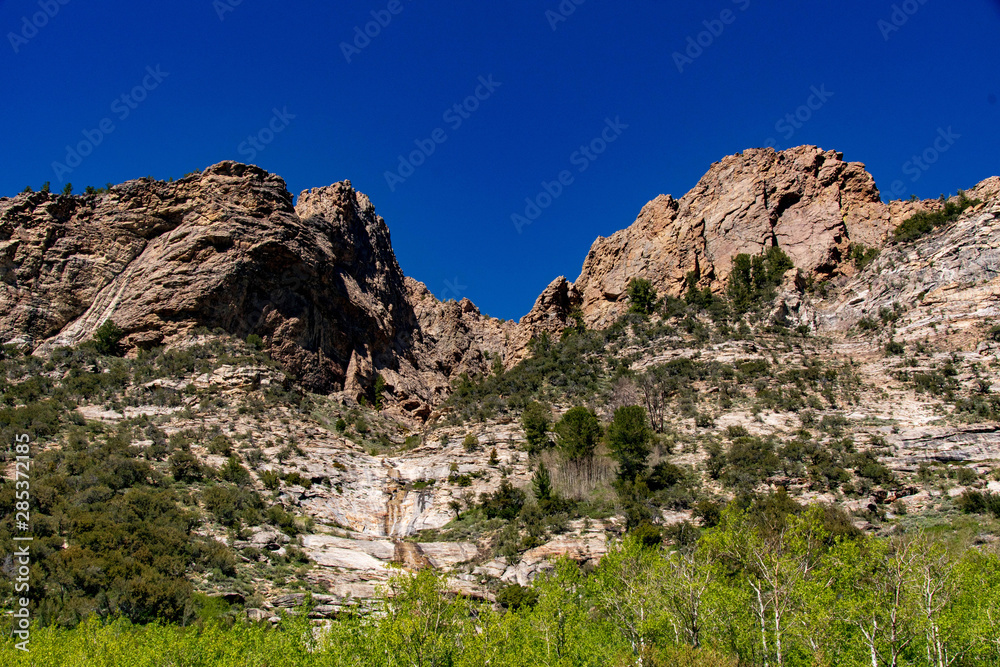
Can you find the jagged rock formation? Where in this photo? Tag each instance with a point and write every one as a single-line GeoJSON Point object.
{"type": "Point", "coordinates": [227, 249]}
{"type": "Point", "coordinates": [946, 283]}
{"type": "Point", "coordinates": [319, 282]}
{"type": "Point", "coordinates": [806, 200]}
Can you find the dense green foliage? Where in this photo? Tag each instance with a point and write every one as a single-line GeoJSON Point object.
{"type": "Point", "coordinates": [769, 585]}
{"type": "Point", "coordinates": [108, 337]}
{"type": "Point", "coordinates": [535, 420]}
{"type": "Point", "coordinates": [118, 514]}
{"type": "Point", "coordinates": [924, 222]}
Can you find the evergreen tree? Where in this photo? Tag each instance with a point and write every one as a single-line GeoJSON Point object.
{"type": "Point", "coordinates": [579, 431]}
{"type": "Point", "coordinates": [628, 438]}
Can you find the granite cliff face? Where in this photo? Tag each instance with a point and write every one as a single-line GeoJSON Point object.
{"type": "Point", "coordinates": [227, 249]}
{"type": "Point", "coordinates": [806, 200]}
{"type": "Point", "coordinates": [319, 282]}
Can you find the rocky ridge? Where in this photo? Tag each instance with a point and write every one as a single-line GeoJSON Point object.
{"type": "Point", "coordinates": [318, 281]}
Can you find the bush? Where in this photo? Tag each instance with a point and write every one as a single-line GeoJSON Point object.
{"type": "Point", "coordinates": [925, 222]}
{"type": "Point", "coordinates": [270, 480]}
{"type": "Point", "coordinates": [541, 483]}
{"type": "Point", "coordinates": [894, 348]}
{"type": "Point", "coordinates": [862, 255]}
{"type": "Point", "coordinates": [664, 475]}
{"type": "Point", "coordinates": [647, 535]}
{"type": "Point", "coordinates": [753, 279]}
{"type": "Point", "coordinates": [535, 420]}
{"type": "Point", "coordinates": [185, 467]}
{"type": "Point", "coordinates": [255, 342]}
{"type": "Point", "coordinates": [504, 503]}
{"type": "Point", "coordinates": [515, 597]}
{"type": "Point", "coordinates": [980, 502]}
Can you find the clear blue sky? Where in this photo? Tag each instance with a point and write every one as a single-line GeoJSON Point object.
{"type": "Point", "coordinates": [220, 80]}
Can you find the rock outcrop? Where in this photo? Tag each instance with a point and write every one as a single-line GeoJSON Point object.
{"type": "Point", "coordinates": [318, 281]}
{"type": "Point", "coordinates": [806, 200]}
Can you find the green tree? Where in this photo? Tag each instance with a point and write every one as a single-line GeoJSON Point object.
{"type": "Point", "coordinates": [421, 625]}
{"type": "Point", "coordinates": [535, 420]}
{"type": "Point", "coordinates": [641, 296]}
{"type": "Point", "coordinates": [68, 189]}
{"type": "Point", "coordinates": [629, 590]}
{"type": "Point", "coordinates": [579, 431]}
{"type": "Point", "coordinates": [108, 338]}
{"type": "Point", "coordinates": [541, 483]}
{"type": "Point", "coordinates": [378, 390]}
{"type": "Point", "coordinates": [628, 437]}
{"type": "Point", "coordinates": [46, 187]}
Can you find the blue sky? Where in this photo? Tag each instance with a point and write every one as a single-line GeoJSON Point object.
{"type": "Point", "coordinates": [596, 96]}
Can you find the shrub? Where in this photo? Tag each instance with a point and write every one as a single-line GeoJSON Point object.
{"type": "Point", "coordinates": [967, 476]}
{"type": "Point", "coordinates": [233, 472]}
{"type": "Point", "coordinates": [894, 348]}
{"type": "Point", "coordinates": [663, 476]}
{"type": "Point", "coordinates": [185, 467]}
{"type": "Point", "coordinates": [541, 483]}
{"type": "Point", "coordinates": [270, 480]}
{"type": "Point", "coordinates": [748, 462]}
{"type": "Point", "coordinates": [862, 255]}
{"type": "Point", "coordinates": [255, 342]}
{"type": "Point", "coordinates": [753, 279]}
{"type": "Point", "coordinates": [647, 535]}
{"type": "Point", "coordinates": [980, 502]}
{"type": "Point", "coordinates": [535, 420]}
{"type": "Point", "coordinates": [504, 503]}
{"type": "Point", "coordinates": [516, 596]}
{"type": "Point", "coordinates": [924, 222]}
{"type": "Point", "coordinates": [471, 442]}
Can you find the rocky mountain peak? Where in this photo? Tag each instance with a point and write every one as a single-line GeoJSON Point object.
{"type": "Point", "coordinates": [808, 201]}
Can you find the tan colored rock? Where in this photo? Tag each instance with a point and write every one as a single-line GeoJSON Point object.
{"type": "Point", "coordinates": [808, 201]}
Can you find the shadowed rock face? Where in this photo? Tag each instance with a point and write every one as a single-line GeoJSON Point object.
{"type": "Point", "coordinates": [224, 249]}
